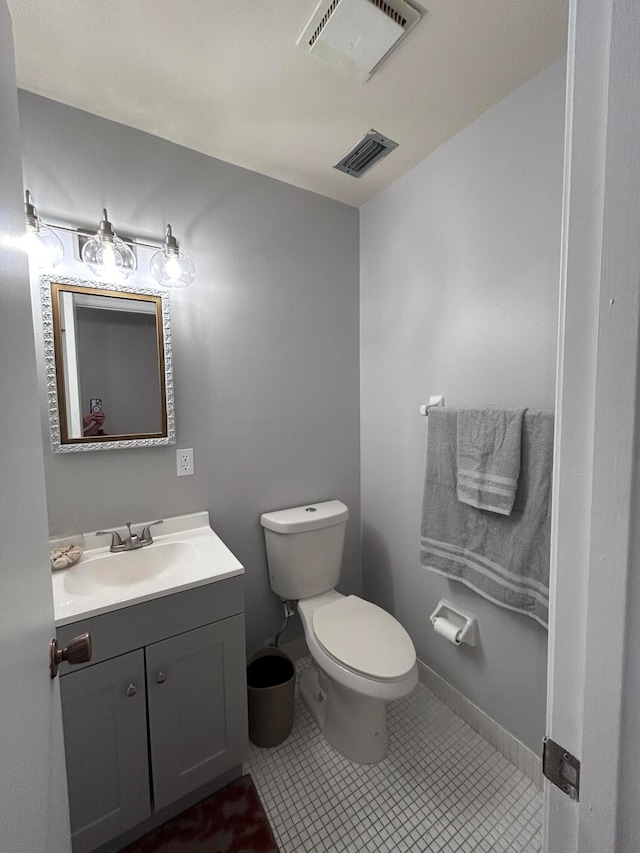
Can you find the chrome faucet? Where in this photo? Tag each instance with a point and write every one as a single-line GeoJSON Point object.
{"type": "Point", "coordinates": [116, 541]}
{"type": "Point", "coordinates": [145, 536]}
{"type": "Point", "coordinates": [133, 542]}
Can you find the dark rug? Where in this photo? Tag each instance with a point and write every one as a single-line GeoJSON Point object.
{"type": "Point", "coordinates": [230, 821]}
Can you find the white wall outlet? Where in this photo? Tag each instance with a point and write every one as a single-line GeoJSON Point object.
{"type": "Point", "coordinates": [184, 459]}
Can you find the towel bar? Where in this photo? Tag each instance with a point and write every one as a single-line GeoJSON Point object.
{"type": "Point", "coordinates": [437, 400]}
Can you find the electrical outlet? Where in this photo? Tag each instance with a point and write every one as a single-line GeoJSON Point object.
{"type": "Point", "coordinates": [184, 459]}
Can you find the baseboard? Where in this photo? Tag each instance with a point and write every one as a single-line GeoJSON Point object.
{"type": "Point", "coordinates": [517, 753]}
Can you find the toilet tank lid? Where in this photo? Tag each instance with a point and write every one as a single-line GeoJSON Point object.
{"type": "Point", "coordinates": [306, 517]}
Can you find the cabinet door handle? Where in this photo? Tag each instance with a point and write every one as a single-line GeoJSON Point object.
{"type": "Point", "coordinates": [131, 690]}
{"type": "Point", "coordinates": [161, 678]}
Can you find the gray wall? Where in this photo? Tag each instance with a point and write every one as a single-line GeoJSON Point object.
{"type": "Point", "coordinates": [265, 341]}
{"type": "Point", "coordinates": [459, 295]}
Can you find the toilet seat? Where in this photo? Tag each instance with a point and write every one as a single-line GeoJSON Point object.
{"type": "Point", "coordinates": [364, 638]}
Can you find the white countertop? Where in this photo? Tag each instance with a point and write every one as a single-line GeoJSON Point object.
{"type": "Point", "coordinates": [185, 553]}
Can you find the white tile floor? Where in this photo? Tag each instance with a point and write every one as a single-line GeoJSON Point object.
{"type": "Point", "coordinates": [441, 788]}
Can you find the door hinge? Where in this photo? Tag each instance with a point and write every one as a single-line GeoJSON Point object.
{"type": "Point", "coordinates": [561, 768]}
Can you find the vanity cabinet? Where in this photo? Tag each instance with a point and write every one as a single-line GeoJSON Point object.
{"type": "Point", "coordinates": [105, 732]}
{"type": "Point", "coordinates": [194, 718]}
{"type": "Point", "coordinates": [162, 717]}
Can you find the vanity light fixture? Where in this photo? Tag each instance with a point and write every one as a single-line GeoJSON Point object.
{"type": "Point", "coordinates": [171, 267]}
{"type": "Point", "coordinates": [107, 255]}
{"type": "Point", "coordinates": [42, 245]}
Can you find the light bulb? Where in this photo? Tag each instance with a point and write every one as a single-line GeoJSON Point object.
{"type": "Point", "coordinates": [109, 257]}
{"type": "Point", "coordinates": [44, 248]}
{"type": "Point", "coordinates": [171, 267]}
{"type": "Point", "coordinates": [106, 255]}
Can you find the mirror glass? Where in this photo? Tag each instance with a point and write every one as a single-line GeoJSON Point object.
{"type": "Point", "coordinates": [108, 361]}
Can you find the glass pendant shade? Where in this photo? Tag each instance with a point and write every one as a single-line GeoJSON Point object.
{"type": "Point", "coordinates": [171, 267]}
{"type": "Point", "coordinates": [44, 248]}
{"type": "Point", "coordinates": [107, 255]}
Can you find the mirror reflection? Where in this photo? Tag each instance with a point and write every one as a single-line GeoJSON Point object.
{"type": "Point", "coordinates": [109, 350]}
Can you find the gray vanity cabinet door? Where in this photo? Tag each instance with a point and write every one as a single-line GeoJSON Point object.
{"type": "Point", "coordinates": [104, 718]}
{"type": "Point", "coordinates": [196, 688]}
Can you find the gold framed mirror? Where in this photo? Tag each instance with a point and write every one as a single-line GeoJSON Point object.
{"type": "Point", "coordinates": [108, 365]}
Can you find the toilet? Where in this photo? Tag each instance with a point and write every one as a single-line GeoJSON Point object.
{"type": "Point", "coordinates": [361, 656]}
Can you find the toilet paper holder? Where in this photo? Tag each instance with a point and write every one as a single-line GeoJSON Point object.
{"type": "Point", "coordinates": [466, 623]}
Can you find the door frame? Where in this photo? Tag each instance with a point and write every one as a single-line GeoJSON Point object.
{"type": "Point", "coordinates": [594, 558]}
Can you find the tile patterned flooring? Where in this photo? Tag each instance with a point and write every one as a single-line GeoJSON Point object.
{"type": "Point", "coordinates": [441, 788]}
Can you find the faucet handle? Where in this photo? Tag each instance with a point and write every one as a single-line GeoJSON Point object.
{"type": "Point", "coordinates": [145, 536]}
{"type": "Point", "coordinates": [134, 539]}
{"type": "Point", "coordinates": [116, 542]}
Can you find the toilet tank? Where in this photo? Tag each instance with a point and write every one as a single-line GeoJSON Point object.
{"type": "Point", "coordinates": [304, 548]}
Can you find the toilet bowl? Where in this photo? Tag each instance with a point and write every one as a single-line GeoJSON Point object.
{"type": "Point", "coordinates": [361, 656]}
{"type": "Point", "coordinates": [361, 659]}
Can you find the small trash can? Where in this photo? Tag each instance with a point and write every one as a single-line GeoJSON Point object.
{"type": "Point", "coordinates": [271, 685]}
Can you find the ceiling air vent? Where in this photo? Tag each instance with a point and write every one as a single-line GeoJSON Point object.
{"type": "Point", "coordinates": [354, 36]}
{"type": "Point", "coordinates": [369, 151]}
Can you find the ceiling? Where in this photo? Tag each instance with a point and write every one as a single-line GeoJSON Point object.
{"type": "Point", "coordinates": [226, 78]}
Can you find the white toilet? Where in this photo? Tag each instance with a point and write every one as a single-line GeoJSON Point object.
{"type": "Point", "coordinates": [362, 657]}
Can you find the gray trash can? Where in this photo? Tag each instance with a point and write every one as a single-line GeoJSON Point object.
{"type": "Point", "coordinates": [271, 681]}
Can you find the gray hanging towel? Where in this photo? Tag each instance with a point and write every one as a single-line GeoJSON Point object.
{"type": "Point", "coordinates": [488, 457]}
{"type": "Point", "coordinates": [503, 558]}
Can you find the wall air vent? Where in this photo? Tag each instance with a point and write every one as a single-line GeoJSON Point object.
{"type": "Point", "coordinates": [369, 151]}
{"type": "Point", "coordinates": [354, 36]}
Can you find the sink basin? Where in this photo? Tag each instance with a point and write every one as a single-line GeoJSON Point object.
{"type": "Point", "coordinates": [128, 568]}
{"type": "Point", "coordinates": [186, 555]}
